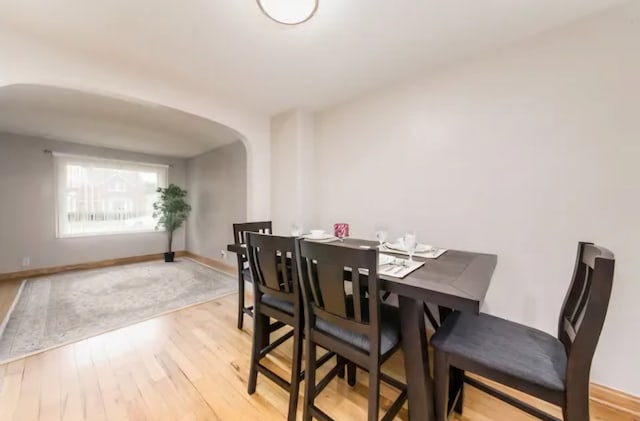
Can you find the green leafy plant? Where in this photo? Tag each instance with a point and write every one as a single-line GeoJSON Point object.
{"type": "Point", "coordinates": [171, 209]}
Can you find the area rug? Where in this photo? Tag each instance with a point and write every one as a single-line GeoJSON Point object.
{"type": "Point", "coordinates": [59, 309]}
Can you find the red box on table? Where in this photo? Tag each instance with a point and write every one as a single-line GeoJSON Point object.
{"type": "Point", "coordinates": [341, 230]}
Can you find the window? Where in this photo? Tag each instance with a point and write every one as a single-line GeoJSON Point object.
{"type": "Point", "coordinates": [101, 196]}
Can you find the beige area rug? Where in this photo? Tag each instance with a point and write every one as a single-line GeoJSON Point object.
{"type": "Point", "coordinates": [59, 309]}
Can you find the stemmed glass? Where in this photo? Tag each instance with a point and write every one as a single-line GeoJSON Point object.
{"type": "Point", "coordinates": [296, 230]}
{"type": "Point", "coordinates": [410, 244]}
{"type": "Point", "coordinates": [381, 234]}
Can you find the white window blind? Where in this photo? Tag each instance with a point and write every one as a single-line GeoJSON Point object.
{"type": "Point", "coordinates": [98, 196]}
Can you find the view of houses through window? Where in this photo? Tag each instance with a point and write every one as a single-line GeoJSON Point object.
{"type": "Point", "coordinates": [99, 196]}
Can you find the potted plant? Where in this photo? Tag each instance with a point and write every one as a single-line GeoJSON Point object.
{"type": "Point", "coordinates": [171, 210]}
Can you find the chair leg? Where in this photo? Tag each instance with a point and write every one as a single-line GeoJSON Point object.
{"type": "Point", "coordinates": [374, 392]}
{"type": "Point", "coordinates": [310, 379]}
{"type": "Point", "coordinates": [351, 374]}
{"type": "Point", "coordinates": [240, 301]}
{"type": "Point", "coordinates": [296, 368]}
{"type": "Point", "coordinates": [341, 362]}
{"type": "Point", "coordinates": [458, 378]}
{"type": "Point", "coordinates": [441, 385]}
{"type": "Point", "coordinates": [576, 406]}
{"type": "Point", "coordinates": [260, 330]}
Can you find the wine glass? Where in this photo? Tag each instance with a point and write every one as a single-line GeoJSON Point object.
{"type": "Point", "coordinates": [410, 244]}
{"type": "Point", "coordinates": [296, 230]}
{"type": "Point", "coordinates": [381, 234]}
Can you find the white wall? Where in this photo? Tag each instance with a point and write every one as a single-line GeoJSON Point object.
{"type": "Point", "coordinates": [522, 153]}
{"type": "Point", "coordinates": [292, 169]}
{"type": "Point", "coordinates": [217, 185]}
{"type": "Point", "coordinates": [27, 208]}
{"type": "Point", "coordinates": [35, 60]}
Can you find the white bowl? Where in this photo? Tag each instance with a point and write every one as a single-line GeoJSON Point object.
{"type": "Point", "coordinates": [317, 233]}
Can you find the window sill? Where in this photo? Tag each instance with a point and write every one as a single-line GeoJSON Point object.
{"type": "Point", "coordinates": [107, 234]}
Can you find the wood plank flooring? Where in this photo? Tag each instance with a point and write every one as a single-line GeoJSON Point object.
{"type": "Point", "coordinates": [192, 364]}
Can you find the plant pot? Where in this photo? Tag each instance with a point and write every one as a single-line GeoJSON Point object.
{"type": "Point", "coordinates": [168, 257]}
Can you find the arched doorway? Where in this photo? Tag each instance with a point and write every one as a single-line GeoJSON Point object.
{"type": "Point", "coordinates": [89, 123]}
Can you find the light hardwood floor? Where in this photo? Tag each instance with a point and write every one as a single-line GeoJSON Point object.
{"type": "Point", "coordinates": [192, 364]}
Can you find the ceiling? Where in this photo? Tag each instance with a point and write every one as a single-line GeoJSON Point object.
{"type": "Point", "coordinates": [230, 50]}
{"type": "Point", "coordinates": [80, 117]}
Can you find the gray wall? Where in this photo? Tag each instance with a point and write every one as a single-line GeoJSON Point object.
{"type": "Point", "coordinates": [217, 185]}
{"type": "Point", "coordinates": [27, 208]}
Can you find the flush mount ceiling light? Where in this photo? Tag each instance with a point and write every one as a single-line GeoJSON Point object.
{"type": "Point", "coordinates": [289, 12]}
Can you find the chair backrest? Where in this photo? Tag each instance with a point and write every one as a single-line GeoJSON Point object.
{"type": "Point", "coordinates": [323, 269]}
{"type": "Point", "coordinates": [272, 261]}
{"type": "Point", "coordinates": [585, 306]}
{"type": "Point", "coordinates": [240, 233]}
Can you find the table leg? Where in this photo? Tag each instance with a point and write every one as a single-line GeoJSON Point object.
{"type": "Point", "coordinates": [456, 390]}
{"type": "Point", "coordinates": [416, 357]}
{"type": "Point", "coordinates": [456, 376]}
{"type": "Point", "coordinates": [443, 312]}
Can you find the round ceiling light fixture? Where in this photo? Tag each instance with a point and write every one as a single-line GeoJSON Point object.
{"type": "Point", "coordinates": [289, 12]}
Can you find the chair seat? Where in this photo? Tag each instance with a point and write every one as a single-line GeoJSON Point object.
{"type": "Point", "coordinates": [283, 305]}
{"type": "Point", "coordinates": [389, 329]}
{"type": "Point", "coordinates": [511, 348]}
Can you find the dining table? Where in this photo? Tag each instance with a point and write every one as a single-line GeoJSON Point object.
{"type": "Point", "coordinates": [457, 280]}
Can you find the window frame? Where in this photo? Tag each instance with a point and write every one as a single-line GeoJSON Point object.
{"type": "Point", "coordinates": [63, 159]}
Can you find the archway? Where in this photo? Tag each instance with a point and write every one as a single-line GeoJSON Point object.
{"type": "Point", "coordinates": [124, 124]}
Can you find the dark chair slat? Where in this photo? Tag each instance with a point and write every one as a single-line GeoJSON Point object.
{"type": "Point", "coordinates": [331, 288]}
{"type": "Point", "coordinates": [583, 296]}
{"type": "Point", "coordinates": [284, 265]}
{"type": "Point", "coordinates": [357, 304]}
{"type": "Point", "coordinates": [268, 274]}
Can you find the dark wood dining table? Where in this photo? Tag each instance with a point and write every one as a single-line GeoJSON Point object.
{"type": "Point", "coordinates": [457, 280]}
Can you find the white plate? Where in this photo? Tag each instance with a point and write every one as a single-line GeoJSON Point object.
{"type": "Point", "coordinates": [320, 237]}
{"type": "Point", "coordinates": [421, 248]}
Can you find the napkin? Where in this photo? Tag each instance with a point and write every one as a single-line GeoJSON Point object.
{"type": "Point", "coordinates": [396, 271]}
{"type": "Point", "coordinates": [434, 253]}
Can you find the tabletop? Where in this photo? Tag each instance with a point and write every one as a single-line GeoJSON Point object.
{"type": "Point", "coordinates": [457, 279]}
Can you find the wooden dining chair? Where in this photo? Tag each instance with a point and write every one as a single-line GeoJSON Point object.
{"type": "Point", "coordinates": [357, 327]}
{"type": "Point", "coordinates": [276, 296]}
{"type": "Point", "coordinates": [244, 274]}
{"type": "Point", "coordinates": [553, 369]}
